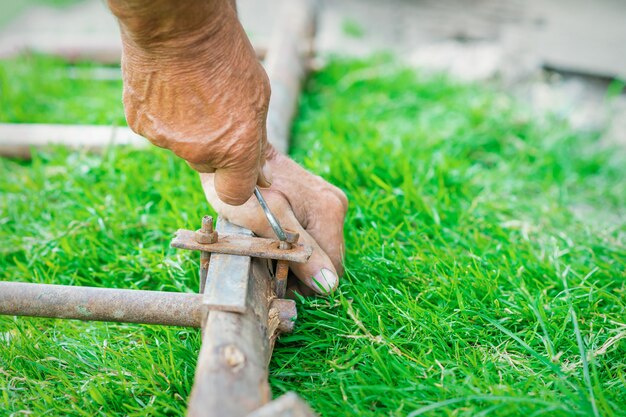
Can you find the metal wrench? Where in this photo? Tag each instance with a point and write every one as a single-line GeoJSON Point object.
{"type": "Point", "coordinates": [273, 221]}
{"type": "Point", "coordinates": [287, 239]}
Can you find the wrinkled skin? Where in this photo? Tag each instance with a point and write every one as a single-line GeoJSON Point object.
{"type": "Point", "coordinates": [197, 90]}
{"type": "Point", "coordinates": [192, 84]}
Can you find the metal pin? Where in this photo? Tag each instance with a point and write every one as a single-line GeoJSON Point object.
{"type": "Point", "coordinates": [280, 233]}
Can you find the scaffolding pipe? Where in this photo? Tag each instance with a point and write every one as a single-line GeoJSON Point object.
{"type": "Point", "coordinates": [101, 304]}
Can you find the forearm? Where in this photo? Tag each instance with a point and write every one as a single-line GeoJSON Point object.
{"type": "Point", "coordinates": [158, 24]}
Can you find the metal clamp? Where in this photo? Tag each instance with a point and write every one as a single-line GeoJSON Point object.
{"type": "Point", "coordinates": [207, 241]}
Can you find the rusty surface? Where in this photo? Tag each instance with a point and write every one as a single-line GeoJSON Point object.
{"type": "Point", "coordinates": [205, 258]}
{"type": "Point", "coordinates": [206, 234]}
{"type": "Point", "coordinates": [292, 238]}
{"type": "Point", "coordinates": [282, 271]}
{"type": "Point", "coordinates": [282, 267]}
{"type": "Point", "coordinates": [101, 304]}
{"type": "Point", "coordinates": [207, 224]}
{"type": "Point", "coordinates": [255, 247]}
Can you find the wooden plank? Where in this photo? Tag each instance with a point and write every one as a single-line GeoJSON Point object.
{"type": "Point", "coordinates": [256, 247]}
{"type": "Point", "coordinates": [286, 64]}
{"type": "Point", "coordinates": [226, 285]}
{"type": "Point", "coordinates": [17, 140]}
{"type": "Point", "coordinates": [232, 375]}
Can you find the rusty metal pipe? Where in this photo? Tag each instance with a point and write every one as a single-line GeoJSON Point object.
{"type": "Point", "coordinates": [101, 304]}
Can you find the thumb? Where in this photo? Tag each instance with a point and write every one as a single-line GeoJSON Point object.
{"type": "Point", "coordinates": [235, 185]}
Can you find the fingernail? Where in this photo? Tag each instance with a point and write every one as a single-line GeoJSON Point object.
{"type": "Point", "coordinates": [325, 280]}
{"type": "Point", "coordinates": [266, 172]}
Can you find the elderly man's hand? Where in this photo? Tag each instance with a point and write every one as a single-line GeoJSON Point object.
{"type": "Point", "coordinates": [192, 84]}
{"type": "Point", "coordinates": [304, 203]}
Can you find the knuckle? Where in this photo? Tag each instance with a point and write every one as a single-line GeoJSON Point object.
{"type": "Point", "coordinates": [242, 155]}
{"type": "Point", "coordinates": [257, 92]}
{"type": "Point", "coordinates": [337, 201]}
{"type": "Point", "coordinates": [336, 204]}
{"type": "Point", "coordinates": [343, 199]}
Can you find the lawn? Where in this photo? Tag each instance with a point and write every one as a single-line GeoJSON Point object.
{"type": "Point", "coordinates": [486, 259]}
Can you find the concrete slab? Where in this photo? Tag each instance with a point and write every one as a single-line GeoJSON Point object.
{"type": "Point", "coordinates": [581, 36]}
{"type": "Point", "coordinates": [83, 30]}
{"type": "Point", "coordinates": [401, 26]}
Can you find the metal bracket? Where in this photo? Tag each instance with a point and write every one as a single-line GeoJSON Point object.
{"type": "Point", "coordinates": [234, 244]}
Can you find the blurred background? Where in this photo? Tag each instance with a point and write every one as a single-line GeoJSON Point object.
{"type": "Point", "coordinates": [560, 55]}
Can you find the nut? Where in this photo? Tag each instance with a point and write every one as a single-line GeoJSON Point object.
{"type": "Point", "coordinates": [205, 238]}
{"type": "Point", "coordinates": [292, 237]}
{"type": "Point", "coordinates": [206, 234]}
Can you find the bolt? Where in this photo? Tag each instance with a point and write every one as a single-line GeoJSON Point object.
{"type": "Point", "coordinates": [282, 271]}
{"type": "Point", "coordinates": [206, 234]}
{"type": "Point", "coordinates": [292, 237]}
{"type": "Point", "coordinates": [282, 267]}
{"type": "Point", "coordinates": [207, 224]}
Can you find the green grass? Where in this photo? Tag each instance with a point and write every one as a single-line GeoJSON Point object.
{"type": "Point", "coordinates": [39, 89]}
{"type": "Point", "coordinates": [486, 267]}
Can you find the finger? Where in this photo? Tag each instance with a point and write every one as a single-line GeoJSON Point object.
{"type": "Point", "coordinates": [234, 185]}
{"type": "Point", "coordinates": [327, 231]}
{"type": "Point", "coordinates": [321, 209]}
{"type": "Point", "coordinates": [318, 273]}
{"type": "Point", "coordinates": [295, 286]}
{"type": "Point", "coordinates": [324, 222]}
{"type": "Point", "coordinates": [201, 168]}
